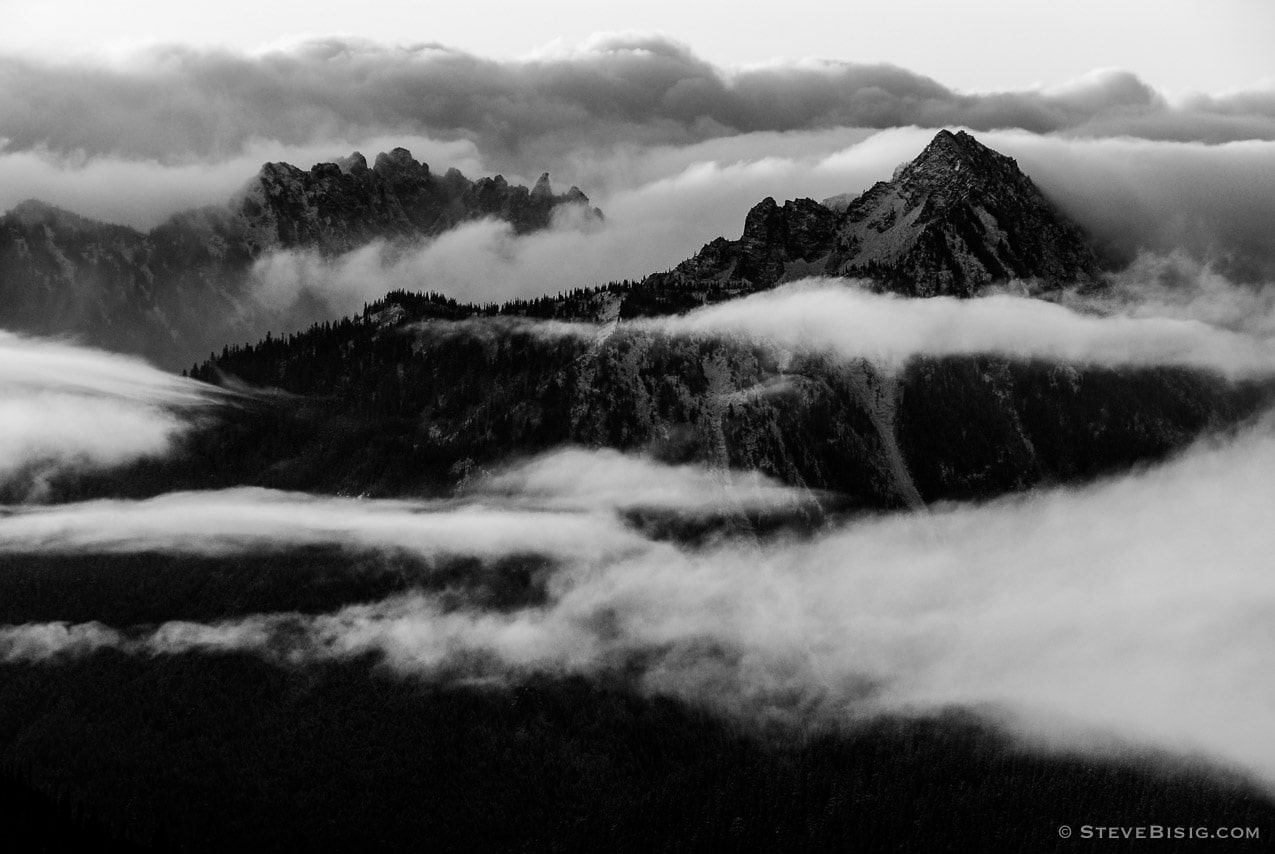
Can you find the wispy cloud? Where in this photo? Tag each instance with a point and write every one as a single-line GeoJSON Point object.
{"type": "Point", "coordinates": [562, 505]}
{"type": "Point", "coordinates": [68, 407]}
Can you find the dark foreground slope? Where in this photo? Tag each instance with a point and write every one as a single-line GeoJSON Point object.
{"type": "Point", "coordinates": [224, 752]}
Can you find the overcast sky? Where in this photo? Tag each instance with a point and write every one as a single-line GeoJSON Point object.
{"type": "Point", "coordinates": [976, 45]}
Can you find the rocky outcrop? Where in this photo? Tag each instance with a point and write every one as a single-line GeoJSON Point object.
{"type": "Point", "coordinates": [775, 236]}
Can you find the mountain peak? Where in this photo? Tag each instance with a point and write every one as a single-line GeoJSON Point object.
{"type": "Point", "coordinates": [957, 218]}
{"type": "Point", "coordinates": [958, 159]}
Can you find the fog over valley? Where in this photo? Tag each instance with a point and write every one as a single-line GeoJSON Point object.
{"type": "Point", "coordinates": [610, 446]}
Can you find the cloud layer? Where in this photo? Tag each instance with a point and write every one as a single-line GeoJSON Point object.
{"type": "Point", "coordinates": [1139, 607]}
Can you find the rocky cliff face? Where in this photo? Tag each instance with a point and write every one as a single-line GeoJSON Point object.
{"type": "Point", "coordinates": [182, 290]}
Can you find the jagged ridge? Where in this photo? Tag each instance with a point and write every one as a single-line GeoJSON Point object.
{"type": "Point", "coordinates": [182, 289]}
{"type": "Point", "coordinates": [340, 206]}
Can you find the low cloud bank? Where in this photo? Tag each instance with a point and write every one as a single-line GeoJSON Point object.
{"type": "Point", "coordinates": [844, 318]}
{"type": "Point", "coordinates": [562, 505]}
{"type": "Point", "coordinates": [580, 479]}
{"type": "Point", "coordinates": [1206, 324]}
{"type": "Point", "coordinates": [248, 520]}
{"type": "Point", "coordinates": [68, 407]}
{"type": "Point", "coordinates": [1138, 607]}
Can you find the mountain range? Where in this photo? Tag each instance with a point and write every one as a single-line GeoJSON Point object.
{"type": "Point", "coordinates": [184, 288]}
{"type": "Point", "coordinates": [956, 219]}
{"type": "Point", "coordinates": [212, 743]}
{"type": "Point", "coordinates": [419, 391]}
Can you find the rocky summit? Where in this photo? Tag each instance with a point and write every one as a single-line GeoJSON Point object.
{"type": "Point", "coordinates": [958, 218]}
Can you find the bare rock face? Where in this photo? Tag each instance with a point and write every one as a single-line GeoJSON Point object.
{"type": "Point", "coordinates": [957, 218]}
{"type": "Point", "coordinates": [774, 236]}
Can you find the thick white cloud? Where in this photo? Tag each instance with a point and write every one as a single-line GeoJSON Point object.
{"type": "Point", "coordinates": [250, 519]}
